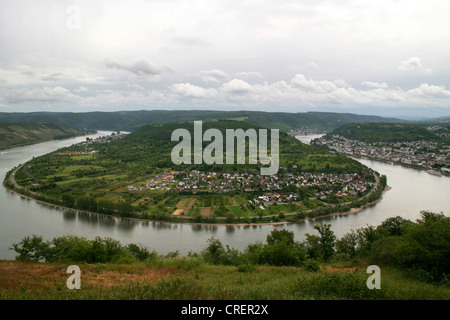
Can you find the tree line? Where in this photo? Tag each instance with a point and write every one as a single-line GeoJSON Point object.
{"type": "Point", "coordinates": [421, 246]}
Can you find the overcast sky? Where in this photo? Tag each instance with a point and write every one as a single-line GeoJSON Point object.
{"type": "Point", "coordinates": [388, 58]}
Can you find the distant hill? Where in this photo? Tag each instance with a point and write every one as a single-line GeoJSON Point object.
{"type": "Point", "coordinates": [132, 120]}
{"type": "Point", "coordinates": [385, 132]}
{"type": "Point", "coordinates": [18, 134]}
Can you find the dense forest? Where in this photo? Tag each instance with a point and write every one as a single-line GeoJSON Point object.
{"type": "Point", "coordinates": [390, 132]}
{"type": "Point", "coordinates": [132, 120]}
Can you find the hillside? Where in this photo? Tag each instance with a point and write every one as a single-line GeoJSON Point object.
{"type": "Point", "coordinates": [134, 176]}
{"type": "Point", "coordinates": [24, 133]}
{"type": "Point", "coordinates": [132, 120]}
{"type": "Point", "coordinates": [386, 132]}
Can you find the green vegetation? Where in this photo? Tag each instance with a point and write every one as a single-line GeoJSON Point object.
{"type": "Point", "coordinates": [386, 132]}
{"type": "Point", "coordinates": [113, 180]}
{"type": "Point", "coordinates": [413, 258]}
{"type": "Point", "coordinates": [132, 120]}
{"type": "Point", "coordinates": [20, 134]}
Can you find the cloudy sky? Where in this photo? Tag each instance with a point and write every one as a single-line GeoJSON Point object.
{"type": "Point", "coordinates": [388, 58]}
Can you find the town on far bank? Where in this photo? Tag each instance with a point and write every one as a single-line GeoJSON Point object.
{"type": "Point", "coordinates": [428, 155]}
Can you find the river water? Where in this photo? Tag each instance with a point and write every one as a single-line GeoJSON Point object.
{"type": "Point", "coordinates": [411, 191]}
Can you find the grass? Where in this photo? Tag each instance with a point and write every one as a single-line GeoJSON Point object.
{"type": "Point", "coordinates": [186, 278]}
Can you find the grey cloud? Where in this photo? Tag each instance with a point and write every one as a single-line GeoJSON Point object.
{"type": "Point", "coordinates": [213, 76]}
{"type": "Point", "coordinates": [52, 76]}
{"type": "Point", "coordinates": [140, 67]}
{"type": "Point", "coordinates": [45, 94]}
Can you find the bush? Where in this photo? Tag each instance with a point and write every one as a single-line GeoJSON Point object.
{"type": "Point", "coordinates": [311, 265]}
{"type": "Point", "coordinates": [337, 286]}
{"type": "Point", "coordinates": [245, 267]}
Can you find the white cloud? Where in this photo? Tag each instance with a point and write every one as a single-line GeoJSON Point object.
{"type": "Point", "coordinates": [250, 74]}
{"type": "Point", "coordinates": [415, 64]}
{"type": "Point", "coordinates": [312, 66]}
{"type": "Point", "coordinates": [411, 64]}
{"type": "Point", "coordinates": [45, 94]}
{"type": "Point", "coordinates": [238, 87]}
{"type": "Point", "coordinates": [375, 84]}
{"type": "Point", "coordinates": [81, 89]}
{"type": "Point", "coordinates": [430, 91]}
{"type": "Point", "coordinates": [237, 93]}
{"type": "Point", "coordinates": [213, 76]}
{"type": "Point", "coordinates": [323, 86]}
{"type": "Point", "coordinates": [341, 83]}
{"type": "Point", "coordinates": [191, 91]}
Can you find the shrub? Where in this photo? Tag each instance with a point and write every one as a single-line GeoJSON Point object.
{"type": "Point", "coordinates": [311, 265]}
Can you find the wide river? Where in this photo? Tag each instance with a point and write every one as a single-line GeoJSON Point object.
{"type": "Point", "coordinates": [411, 191]}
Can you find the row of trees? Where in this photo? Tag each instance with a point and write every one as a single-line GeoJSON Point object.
{"type": "Point", "coordinates": [422, 246]}
{"type": "Point", "coordinates": [75, 249]}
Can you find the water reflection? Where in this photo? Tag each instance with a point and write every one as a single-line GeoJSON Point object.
{"type": "Point", "coordinates": [230, 229]}
{"type": "Point", "coordinates": [69, 216]}
{"type": "Point", "coordinates": [126, 225]}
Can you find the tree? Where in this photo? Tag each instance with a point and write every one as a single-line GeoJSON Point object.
{"type": "Point", "coordinates": [322, 245]}
{"type": "Point", "coordinates": [347, 245]}
{"type": "Point", "coordinates": [32, 248]}
{"type": "Point", "coordinates": [281, 249]}
{"type": "Point", "coordinates": [278, 236]}
{"type": "Point", "coordinates": [214, 252]}
{"type": "Point", "coordinates": [394, 226]}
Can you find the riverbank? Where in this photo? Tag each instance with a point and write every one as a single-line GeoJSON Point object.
{"type": "Point", "coordinates": [11, 174]}
{"type": "Point", "coordinates": [402, 164]}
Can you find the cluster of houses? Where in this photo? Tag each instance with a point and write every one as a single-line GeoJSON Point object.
{"type": "Point", "coordinates": [102, 139]}
{"type": "Point", "coordinates": [306, 131]}
{"type": "Point", "coordinates": [194, 181]}
{"type": "Point", "coordinates": [422, 154]}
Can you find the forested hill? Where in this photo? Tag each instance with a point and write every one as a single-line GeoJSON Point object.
{"type": "Point", "coordinates": [388, 132]}
{"type": "Point", "coordinates": [19, 134]}
{"type": "Point", "coordinates": [150, 146]}
{"type": "Point", "coordinates": [132, 120]}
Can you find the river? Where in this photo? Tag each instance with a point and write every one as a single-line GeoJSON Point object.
{"type": "Point", "coordinates": [411, 191]}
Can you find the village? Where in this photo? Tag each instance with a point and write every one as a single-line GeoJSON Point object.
{"type": "Point", "coordinates": [265, 189]}
{"type": "Point", "coordinates": [421, 154]}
